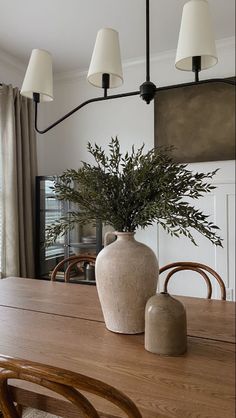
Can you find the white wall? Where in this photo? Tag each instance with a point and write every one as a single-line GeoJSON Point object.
{"type": "Point", "coordinates": [11, 70]}
{"type": "Point", "coordinates": [220, 205]}
{"type": "Point", "coordinates": [130, 118]}
{"type": "Point", "coordinates": [133, 121]}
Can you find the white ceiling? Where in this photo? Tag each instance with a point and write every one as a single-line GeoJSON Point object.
{"type": "Point", "coordinates": [67, 28]}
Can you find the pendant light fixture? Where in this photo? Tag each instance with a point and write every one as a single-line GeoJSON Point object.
{"type": "Point", "coordinates": [195, 52]}
{"type": "Point", "coordinates": [105, 68]}
{"type": "Point", "coordinates": [38, 79]}
{"type": "Point", "coordinates": [196, 49]}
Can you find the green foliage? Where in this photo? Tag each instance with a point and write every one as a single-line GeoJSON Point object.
{"type": "Point", "coordinates": [135, 190]}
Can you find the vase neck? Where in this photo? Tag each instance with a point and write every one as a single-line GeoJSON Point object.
{"type": "Point", "coordinates": [125, 236]}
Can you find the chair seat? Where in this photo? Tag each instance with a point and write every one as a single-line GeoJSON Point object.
{"type": "Point", "coordinates": [35, 413]}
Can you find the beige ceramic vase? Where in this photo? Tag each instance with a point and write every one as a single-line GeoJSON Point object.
{"type": "Point", "coordinates": [126, 277]}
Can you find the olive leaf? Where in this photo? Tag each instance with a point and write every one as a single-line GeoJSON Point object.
{"type": "Point", "coordinates": [134, 190]}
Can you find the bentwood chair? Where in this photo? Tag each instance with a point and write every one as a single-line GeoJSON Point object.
{"type": "Point", "coordinates": [65, 383]}
{"type": "Point", "coordinates": [199, 268]}
{"type": "Point", "coordinates": [70, 263]}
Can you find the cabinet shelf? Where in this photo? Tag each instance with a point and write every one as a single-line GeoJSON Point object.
{"type": "Point", "coordinates": [82, 245]}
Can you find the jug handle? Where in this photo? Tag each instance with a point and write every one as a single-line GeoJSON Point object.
{"type": "Point", "coordinates": [106, 237]}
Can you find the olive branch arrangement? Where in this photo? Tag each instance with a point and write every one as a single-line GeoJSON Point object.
{"type": "Point", "coordinates": [134, 190]}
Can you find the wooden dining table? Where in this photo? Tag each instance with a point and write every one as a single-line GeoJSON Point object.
{"type": "Point", "coordinates": [61, 324]}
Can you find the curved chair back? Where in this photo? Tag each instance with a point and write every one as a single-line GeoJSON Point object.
{"type": "Point", "coordinates": [63, 382]}
{"type": "Point", "coordinates": [199, 268]}
{"type": "Point", "coordinates": [71, 262]}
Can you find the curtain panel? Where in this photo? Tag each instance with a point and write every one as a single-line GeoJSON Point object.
{"type": "Point", "coordinates": [18, 164]}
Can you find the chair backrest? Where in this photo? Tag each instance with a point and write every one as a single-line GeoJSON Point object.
{"type": "Point", "coordinates": [199, 268]}
{"type": "Point", "coordinates": [63, 382]}
{"type": "Point", "coordinates": [71, 262]}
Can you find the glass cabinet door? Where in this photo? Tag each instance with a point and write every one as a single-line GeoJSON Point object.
{"type": "Point", "coordinates": [82, 239]}
{"type": "Point", "coordinates": [48, 210]}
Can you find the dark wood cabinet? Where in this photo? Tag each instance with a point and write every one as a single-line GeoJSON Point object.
{"type": "Point", "coordinates": [82, 239]}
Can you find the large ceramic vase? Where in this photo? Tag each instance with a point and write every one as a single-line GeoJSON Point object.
{"type": "Point", "coordinates": [126, 277]}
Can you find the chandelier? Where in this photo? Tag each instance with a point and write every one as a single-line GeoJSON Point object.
{"type": "Point", "coordinates": [196, 51]}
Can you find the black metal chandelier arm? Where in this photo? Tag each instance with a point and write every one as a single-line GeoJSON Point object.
{"type": "Point", "coordinates": [148, 88]}
{"type": "Point", "coordinates": [95, 99]}
{"type": "Point", "coordinates": [122, 95]}
{"type": "Point", "coordinates": [147, 42]}
{"type": "Point", "coordinates": [192, 83]}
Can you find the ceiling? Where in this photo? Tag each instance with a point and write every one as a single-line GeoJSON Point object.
{"type": "Point", "coordinates": [67, 28]}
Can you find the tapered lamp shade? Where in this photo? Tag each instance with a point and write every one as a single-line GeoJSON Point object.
{"type": "Point", "coordinates": [196, 37]}
{"type": "Point", "coordinates": [106, 59]}
{"type": "Point", "coordinates": [38, 76]}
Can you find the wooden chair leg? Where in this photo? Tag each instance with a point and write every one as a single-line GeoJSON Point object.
{"type": "Point", "coordinates": [19, 409]}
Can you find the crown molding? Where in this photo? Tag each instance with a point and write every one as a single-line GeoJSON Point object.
{"type": "Point", "coordinates": [20, 66]}
{"type": "Point", "coordinates": [69, 75]}
{"type": "Point", "coordinates": [221, 44]}
{"type": "Point", "coordinates": [226, 43]}
{"type": "Point", "coordinates": [12, 61]}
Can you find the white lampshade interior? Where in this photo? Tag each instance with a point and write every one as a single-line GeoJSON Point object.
{"type": "Point", "coordinates": [106, 59]}
{"type": "Point", "coordinates": [38, 76]}
{"type": "Point", "coordinates": [196, 36]}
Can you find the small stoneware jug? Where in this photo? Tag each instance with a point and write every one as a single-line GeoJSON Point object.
{"type": "Point", "coordinates": [165, 325]}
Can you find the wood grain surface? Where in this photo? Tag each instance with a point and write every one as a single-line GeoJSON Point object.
{"type": "Point", "coordinates": [213, 319]}
{"type": "Point", "coordinates": [199, 384]}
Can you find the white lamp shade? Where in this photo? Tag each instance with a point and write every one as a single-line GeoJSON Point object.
{"type": "Point", "coordinates": [196, 37]}
{"type": "Point", "coordinates": [38, 76]}
{"type": "Point", "coordinates": [106, 59]}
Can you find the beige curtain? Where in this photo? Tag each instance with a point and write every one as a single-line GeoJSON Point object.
{"type": "Point", "coordinates": [18, 166]}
